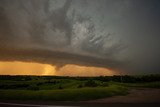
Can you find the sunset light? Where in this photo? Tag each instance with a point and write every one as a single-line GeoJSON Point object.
{"type": "Point", "coordinates": [79, 53]}
{"type": "Point", "coordinates": [31, 68]}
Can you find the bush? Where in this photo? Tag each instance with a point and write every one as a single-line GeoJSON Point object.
{"type": "Point", "coordinates": [35, 88]}
{"type": "Point", "coordinates": [105, 84]}
{"type": "Point", "coordinates": [13, 86]}
{"type": "Point", "coordinates": [90, 83]}
{"type": "Point", "coordinates": [60, 87]}
{"type": "Point", "coordinates": [80, 86]}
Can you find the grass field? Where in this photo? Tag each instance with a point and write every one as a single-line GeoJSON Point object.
{"type": "Point", "coordinates": [65, 88]}
{"type": "Point", "coordinates": [63, 95]}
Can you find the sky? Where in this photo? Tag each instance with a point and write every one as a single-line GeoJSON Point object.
{"type": "Point", "coordinates": [79, 37]}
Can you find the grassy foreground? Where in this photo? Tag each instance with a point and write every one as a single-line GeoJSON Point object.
{"type": "Point", "coordinates": [65, 94]}
{"type": "Point", "coordinates": [52, 88]}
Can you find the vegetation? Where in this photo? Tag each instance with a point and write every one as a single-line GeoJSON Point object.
{"type": "Point", "coordinates": [64, 95]}
{"type": "Point", "coordinates": [71, 88]}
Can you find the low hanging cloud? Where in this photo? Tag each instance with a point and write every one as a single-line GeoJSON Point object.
{"type": "Point", "coordinates": [111, 34]}
{"type": "Point", "coordinates": [55, 58]}
{"type": "Point", "coordinates": [34, 31]}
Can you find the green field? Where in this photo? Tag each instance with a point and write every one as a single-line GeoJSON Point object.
{"type": "Point", "coordinates": [71, 88]}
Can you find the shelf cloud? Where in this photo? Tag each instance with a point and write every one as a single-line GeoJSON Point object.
{"type": "Point", "coordinates": [110, 34]}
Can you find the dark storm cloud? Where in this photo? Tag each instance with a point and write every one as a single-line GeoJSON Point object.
{"type": "Point", "coordinates": [5, 29]}
{"type": "Point", "coordinates": [54, 58]}
{"type": "Point", "coordinates": [34, 31]}
{"type": "Point", "coordinates": [102, 33]}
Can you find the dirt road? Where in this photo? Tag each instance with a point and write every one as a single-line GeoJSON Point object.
{"type": "Point", "coordinates": [142, 95]}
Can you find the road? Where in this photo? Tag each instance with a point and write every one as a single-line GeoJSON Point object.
{"type": "Point", "coordinates": [141, 95]}
{"type": "Point", "coordinates": [2, 104]}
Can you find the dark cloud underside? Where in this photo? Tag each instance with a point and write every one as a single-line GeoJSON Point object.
{"type": "Point", "coordinates": [102, 33]}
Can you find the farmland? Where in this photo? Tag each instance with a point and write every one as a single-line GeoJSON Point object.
{"type": "Point", "coordinates": [55, 88]}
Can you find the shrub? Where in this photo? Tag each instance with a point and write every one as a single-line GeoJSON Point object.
{"type": "Point", "coordinates": [80, 86]}
{"type": "Point", "coordinates": [60, 87]}
{"type": "Point", "coordinates": [105, 84]}
{"type": "Point", "coordinates": [90, 83]}
{"type": "Point", "coordinates": [35, 88]}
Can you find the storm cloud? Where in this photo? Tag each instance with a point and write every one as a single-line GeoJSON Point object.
{"type": "Point", "coordinates": [102, 33]}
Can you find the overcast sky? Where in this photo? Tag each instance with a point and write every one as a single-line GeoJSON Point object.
{"type": "Point", "coordinates": [118, 34]}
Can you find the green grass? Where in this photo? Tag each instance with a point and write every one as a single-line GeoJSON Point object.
{"type": "Point", "coordinates": [65, 89]}
{"type": "Point", "coordinates": [142, 85]}
{"type": "Point", "coordinates": [65, 94]}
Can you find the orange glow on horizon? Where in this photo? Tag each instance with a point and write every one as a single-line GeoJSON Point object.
{"type": "Point", "coordinates": [30, 68]}
{"type": "Point", "coordinates": [75, 70]}
{"type": "Point", "coordinates": [26, 68]}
